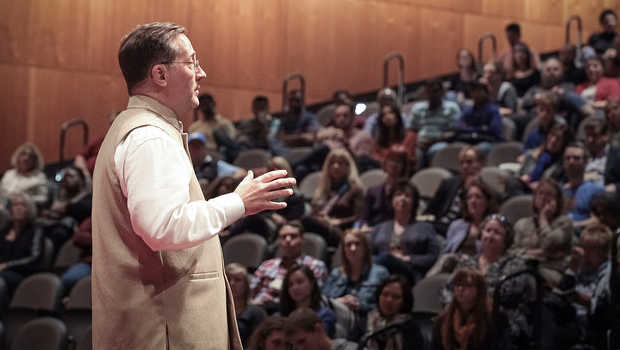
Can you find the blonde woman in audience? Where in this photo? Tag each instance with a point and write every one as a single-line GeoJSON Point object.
{"type": "Point", "coordinates": [26, 175]}
{"type": "Point", "coordinates": [338, 200]}
{"type": "Point", "coordinates": [248, 316]}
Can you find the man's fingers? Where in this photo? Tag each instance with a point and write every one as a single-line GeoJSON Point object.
{"type": "Point", "coordinates": [275, 205]}
{"type": "Point", "coordinates": [279, 183]}
{"type": "Point", "coordinates": [272, 175]}
{"type": "Point", "coordinates": [279, 193]}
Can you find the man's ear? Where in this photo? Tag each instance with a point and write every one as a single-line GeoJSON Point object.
{"type": "Point", "coordinates": [159, 74]}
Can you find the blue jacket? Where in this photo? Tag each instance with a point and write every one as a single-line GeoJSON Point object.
{"type": "Point", "coordinates": [370, 280]}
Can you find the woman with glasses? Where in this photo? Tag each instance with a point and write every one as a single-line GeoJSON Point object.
{"type": "Point", "coordinates": [547, 235]}
{"type": "Point", "coordinates": [466, 322]}
{"type": "Point", "coordinates": [355, 282]}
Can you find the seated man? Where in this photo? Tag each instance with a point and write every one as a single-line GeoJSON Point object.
{"type": "Point", "coordinates": [206, 162]}
{"type": "Point", "coordinates": [298, 126]}
{"type": "Point", "coordinates": [434, 120]}
{"type": "Point", "coordinates": [513, 35]}
{"type": "Point", "coordinates": [267, 281]}
{"type": "Point", "coordinates": [597, 144]}
{"type": "Point", "coordinates": [445, 206]}
{"type": "Point", "coordinates": [305, 331]}
{"type": "Point", "coordinates": [207, 120]}
{"type": "Point", "coordinates": [578, 192]}
{"type": "Point", "coordinates": [546, 112]}
{"type": "Point", "coordinates": [480, 124]}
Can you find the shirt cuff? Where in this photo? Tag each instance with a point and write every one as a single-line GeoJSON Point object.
{"type": "Point", "coordinates": [232, 204]}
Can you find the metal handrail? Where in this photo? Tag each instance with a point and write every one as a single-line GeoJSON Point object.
{"type": "Point", "coordinates": [481, 41]}
{"type": "Point", "coordinates": [613, 288]}
{"type": "Point", "coordinates": [571, 19]}
{"type": "Point", "coordinates": [401, 73]}
{"type": "Point", "coordinates": [302, 82]}
{"type": "Point", "coordinates": [394, 326]}
{"type": "Point", "coordinates": [533, 271]}
{"type": "Point", "coordinates": [63, 130]}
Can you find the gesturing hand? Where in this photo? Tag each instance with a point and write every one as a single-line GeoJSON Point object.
{"type": "Point", "coordinates": [257, 193]}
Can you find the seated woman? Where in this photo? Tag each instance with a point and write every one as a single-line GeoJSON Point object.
{"type": "Point", "coordinates": [21, 241]}
{"type": "Point", "coordinates": [376, 209]}
{"type": "Point", "coordinates": [468, 74]}
{"type": "Point", "coordinates": [545, 160]}
{"type": "Point", "coordinates": [403, 245]}
{"type": "Point", "coordinates": [83, 240]}
{"type": "Point", "coordinates": [355, 282]}
{"type": "Point", "coordinates": [598, 89]}
{"type": "Point", "coordinates": [394, 304]}
{"type": "Point", "coordinates": [391, 131]}
{"type": "Point", "coordinates": [265, 223]}
{"type": "Point", "coordinates": [70, 207]}
{"type": "Point", "coordinates": [466, 322]}
{"type": "Point", "coordinates": [26, 175]}
{"type": "Point", "coordinates": [248, 316]}
{"type": "Point", "coordinates": [523, 75]}
{"type": "Point", "coordinates": [493, 262]}
{"type": "Point", "coordinates": [338, 200]}
{"type": "Point", "coordinates": [546, 236]}
{"type": "Point", "coordinates": [500, 91]}
{"type": "Point", "coordinates": [269, 335]}
{"type": "Point", "coordinates": [300, 289]}
{"type": "Point", "coordinates": [463, 236]}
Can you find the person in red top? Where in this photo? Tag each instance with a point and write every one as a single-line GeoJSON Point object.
{"type": "Point", "coordinates": [598, 89]}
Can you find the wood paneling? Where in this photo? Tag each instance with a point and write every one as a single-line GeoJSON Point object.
{"type": "Point", "coordinates": [58, 58]}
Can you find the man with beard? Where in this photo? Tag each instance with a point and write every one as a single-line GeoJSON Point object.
{"type": "Point", "coordinates": [570, 105]}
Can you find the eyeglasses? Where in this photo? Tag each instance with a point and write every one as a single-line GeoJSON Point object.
{"type": "Point", "coordinates": [195, 63]}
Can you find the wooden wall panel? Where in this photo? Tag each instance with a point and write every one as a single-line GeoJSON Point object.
{"type": "Point", "coordinates": [14, 111]}
{"type": "Point", "coordinates": [507, 9]}
{"type": "Point", "coordinates": [547, 11]}
{"type": "Point", "coordinates": [14, 23]}
{"type": "Point", "coordinates": [441, 36]}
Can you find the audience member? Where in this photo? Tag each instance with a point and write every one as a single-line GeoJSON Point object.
{"type": "Point", "coordinates": [207, 121]}
{"type": "Point", "coordinates": [71, 205]}
{"type": "Point", "coordinates": [207, 163]}
{"type": "Point", "coordinates": [306, 331]}
{"type": "Point", "coordinates": [434, 120]}
{"type": "Point", "coordinates": [578, 192]}
{"type": "Point", "coordinates": [394, 304]}
{"type": "Point", "coordinates": [523, 75]}
{"type": "Point", "coordinates": [83, 240]}
{"type": "Point", "coordinates": [26, 175]}
{"type": "Point", "coordinates": [598, 89]}
{"type": "Point", "coordinates": [468, 74]}
{"type": "Point", "coordinates": [546, 112]}
{"type": "Point", "coordinates": [248, 316]}
{"type": "Point", "coordinates": [612, 166]}
{"type": "Point", "coordinates": [506, 56]}
{"type": "Point", "coordinates": [298, 126]}
{"type": "Point", "coordinates": [466, 322]}
{"type": "Point", "coordinates": [301, 290]}
{"type": "Point", "coordinates": [480, 124]}
{"type": "Point", "coordinates": [603, 41]}
{"type": "Point", "coordinates": [221, 185]}
{"type": "Point", "coordinates": [341, 134]}
{"type": "Point", "coordinates": [572, 72]}
{"type": "Point", "coordinates": [597, 144]}
{"type": "Point", "coordinates": [463, 238]}
{"type": "Point", "coordinates": [585, 278]}
{"type": "Point", "coordinates": [21, 241]}
{"type": "Point", "coordinates": [390, 132]}
{"type": "Point", "coordinates": [547, 235]}
{"type": "Point", "coordinates": [494, 262]}
{"type": "Point", "coordinates": [546, 159]}
{"type": "Point", "coordinates": [499, 90]}
{"type": "Point", "coordinates": [355, 282]}
{"type": "Point", "coordinates": [253, 132]}
{"type": "Point", "coordinates": [269, 335]}
{"type": "Point", "coordinates": [445, 206]}
{"type": "Point", "coordinates": [338, 200]}
{"type": "Point", "coordinates": [385, 97]}
{"type": "Point", "coordinates": [403, 245]}
{"type": "Point", "coordinates": [85, 160]}
{"type": "Point", "coordinates": [376, 208]}
{"type": "Point", "coordinates": [267, 281]}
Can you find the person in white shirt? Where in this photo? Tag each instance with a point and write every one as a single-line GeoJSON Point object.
{"type": "Point", "coordinates": [158, 275]}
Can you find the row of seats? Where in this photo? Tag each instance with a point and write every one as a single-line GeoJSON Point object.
{"type": "Point", "coordinates": [39, 295]}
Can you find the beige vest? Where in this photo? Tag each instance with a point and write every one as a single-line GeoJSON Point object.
{"type": "Point", "coordinates": [152, 300]}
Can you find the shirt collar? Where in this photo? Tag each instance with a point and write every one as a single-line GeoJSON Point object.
{"type": "Point", "coordinates": [151, 104]}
